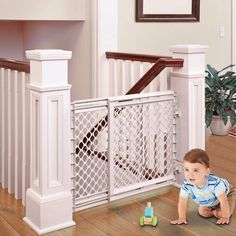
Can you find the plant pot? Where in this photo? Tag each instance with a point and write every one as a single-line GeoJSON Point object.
{"type": "Point", "coordinates": [218, 127]}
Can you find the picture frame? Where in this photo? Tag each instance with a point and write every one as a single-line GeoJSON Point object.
{"type": "Point", "coordinates": [167, 10]}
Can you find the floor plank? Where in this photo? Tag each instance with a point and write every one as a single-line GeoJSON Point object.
{"type": "Point", "coordinates": [112, 224]}
{"type": "Point", "coordinates": [196, 224]}
{"type": "Point", "coordinates": [84, 227]}
{"type": "Point", "coordinates": [6, 229]}
{"type": "Point", "coordinates": [222, 152]}
{"type": "Point", "coordinates": [133, 211]}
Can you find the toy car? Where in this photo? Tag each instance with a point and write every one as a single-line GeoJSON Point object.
{"type": "Point", "coordinates": [148, 218]}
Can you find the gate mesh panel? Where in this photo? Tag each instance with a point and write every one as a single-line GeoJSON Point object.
{"type": "Point", "coordinates": [143, 142]}
{"type": "Point", "coordinates": [91, 166]}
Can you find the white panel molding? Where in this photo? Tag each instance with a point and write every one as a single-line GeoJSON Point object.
{"type": "Point", "coordinates": [55, 141]}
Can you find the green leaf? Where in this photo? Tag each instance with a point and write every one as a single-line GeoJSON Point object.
{"type": "Point", "coordinates": [212, 70]}
{"type": "Point", "coordinates": [230, 66]}
{"type": "Point", "coordinates": [208, 118]}
{"type": "Point", "coordinates": [224, 118]}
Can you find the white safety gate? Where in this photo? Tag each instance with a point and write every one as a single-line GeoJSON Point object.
{"type": "Point", "coordinates": [122, 146]}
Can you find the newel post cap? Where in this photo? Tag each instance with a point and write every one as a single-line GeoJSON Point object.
{"type": "Point", "coordinates": [48, 54]}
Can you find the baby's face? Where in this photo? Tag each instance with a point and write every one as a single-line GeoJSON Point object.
{"type": "Point", "coordinates": [196, 173]}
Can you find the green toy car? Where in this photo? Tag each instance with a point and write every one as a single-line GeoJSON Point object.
{"type": "Point", "coordinates": [148, 218]}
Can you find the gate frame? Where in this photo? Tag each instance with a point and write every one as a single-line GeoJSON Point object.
{"type": "Point", "coordinates": [111, 103]}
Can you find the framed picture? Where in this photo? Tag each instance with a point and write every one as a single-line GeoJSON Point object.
{"type": "Point", "coordinates": [167, 10]}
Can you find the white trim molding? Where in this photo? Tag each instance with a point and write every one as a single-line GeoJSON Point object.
{"type": "Point", "coordinates": [104, 36]}
{"type": "Point", "coordinates": [233, 34]}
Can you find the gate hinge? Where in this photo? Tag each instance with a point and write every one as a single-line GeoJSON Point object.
{"type": "Point", "coordinates": [177, 167]}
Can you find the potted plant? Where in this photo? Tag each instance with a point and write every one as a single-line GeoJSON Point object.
{"type": "Point", "coordinates": [220, 99]}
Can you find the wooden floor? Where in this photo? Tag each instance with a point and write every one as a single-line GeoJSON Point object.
{"type": "Point", "coordinates": [121, 217]}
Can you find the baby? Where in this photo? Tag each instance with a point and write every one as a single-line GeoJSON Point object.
{"type": "Point", "coordinates": [214, 195]}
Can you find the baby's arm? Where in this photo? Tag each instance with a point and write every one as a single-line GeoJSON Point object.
{"type": "Point", "coordinates": [223, 212]}
{"type": "Point", "coordinates": [182, 209]}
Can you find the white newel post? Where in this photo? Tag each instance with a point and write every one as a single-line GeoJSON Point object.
{"type": "Point", "coordinates": [189, 84]}
{"type": "Point", "coordinates": [49, 200]}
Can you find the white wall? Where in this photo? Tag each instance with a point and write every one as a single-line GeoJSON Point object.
{"type": "Point", "coordinates": [156, 37]}
{"type": "Point", "coordinates": [18, 36]}
{"type": "Point", "coordinates": [11, 43]}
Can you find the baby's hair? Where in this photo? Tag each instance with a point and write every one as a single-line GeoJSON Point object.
{"type": "Point", "coordinates": [197, 155]}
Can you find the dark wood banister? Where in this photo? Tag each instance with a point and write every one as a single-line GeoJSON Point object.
{"type": "Point", "coordinates": [160, 64]}
{"type": "Point", "coordinates": [156, 69]}
{"type": "Point", "coordinates": [133, 57]}
{"type": "Point", "coordinates": [22, 66]}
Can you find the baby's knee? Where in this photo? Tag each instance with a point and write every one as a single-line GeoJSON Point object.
{"type": "Point", "coordinates": [205, 212]}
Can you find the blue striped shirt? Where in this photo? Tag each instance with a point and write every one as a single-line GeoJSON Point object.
{"type": "Point", "coordinates": [208, 195]}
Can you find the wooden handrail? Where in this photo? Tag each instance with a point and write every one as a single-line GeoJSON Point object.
{"type": "Point", "coordinates": [156, 69]}
{"type": "Point", "coordinates": [15, 65]}
{"type": "Point", "coordinates": [133, 57]}
{"type": "Point", "coordinates": [161, 62]}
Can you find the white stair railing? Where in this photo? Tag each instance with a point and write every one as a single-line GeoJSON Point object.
{"type": "Point", "coordinates": [126, 73]}
{"type": "Point", "coordinates": [126, 69]}
{"type": "Point", "coordinates": [14, 127]}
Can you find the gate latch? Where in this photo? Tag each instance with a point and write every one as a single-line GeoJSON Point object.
{"type": "Point", "coordinates": [177, 167]}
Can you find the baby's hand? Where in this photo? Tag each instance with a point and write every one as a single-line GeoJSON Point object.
{"type": "Point", "coordinates": [179, 222]}
{"type": "Point", "coordinates": [222, 221]}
